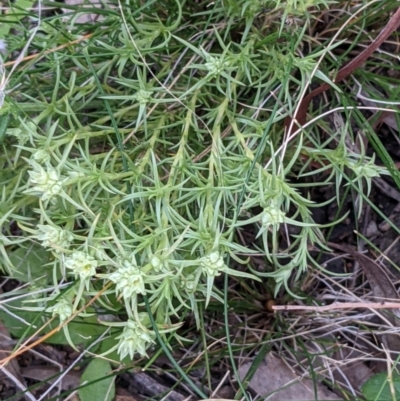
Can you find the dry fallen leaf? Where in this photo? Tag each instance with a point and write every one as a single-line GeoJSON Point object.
{"type": "Point", "coordinates": [49, 374]}
{"type": "Point", "coordinates": [276, 381]}
{"type": "Point", "coordinates": [147, 385]}
{"type": "Point", "coordinates": [382, 288]}
{"type": "Point", "coordinates": [355, 372]}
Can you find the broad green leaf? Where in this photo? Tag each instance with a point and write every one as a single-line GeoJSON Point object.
{"type": "Point", "coordinates": [31, 265]}
{"type": "Point", "coordinates": [81, 330]}
{"type": "Point", "coordinates": [22, 323]}
{"type": "Point", "coordinates": [109, 343]}
{"type": "Point", "coordinates": [377, 388]}
{"type": "Point", "coordinates": [103, 386]}
{"type": "Point", "coordinates": [14, 15]}
{"type": "Point", "coordinates": [19, 323]}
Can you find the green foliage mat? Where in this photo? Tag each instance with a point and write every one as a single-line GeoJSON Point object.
{"type": "Point", "coordinates": [138, 152]}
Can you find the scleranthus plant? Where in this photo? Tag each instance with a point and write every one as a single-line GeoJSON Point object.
{"type": "Point", "coordinates": [146, 157]}
{"type": "Point", "coordinates": [54, 237]}
{"type": "Point", "coordinates": [44, 182]}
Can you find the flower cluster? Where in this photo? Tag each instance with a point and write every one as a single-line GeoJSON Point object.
{"type": "Point", "coordinates": [41, 156]}
{"type": "Point", "coordinates": [272, 216]}
{"type": "Point", "coordinates": [215, 66]}
{"type": "Point", "coordinates": [143, 96]}
{"type": "Point", "coordinates": [156, 263]}
{"type": "Point", "coordinates": [82, 265]}
{"type": "Point", "coordinates": [46, 183]}
{"type": "Point", "coordinates": [188, 283]}
{"type": "Point", "coordinates": [54, 237]}
{"type": "Point", "coordinates": [134, 338]}
{"type": "Point", "coordinates": [62, 309]}
{"type": "Point", "coordinates": [213, 264]}
{"type": "Point", "coordinates": [365, 169]}
{"type": "Point", "coordinates": [21, 135]}
{"type": "Point", "coordinates": [129, 280]}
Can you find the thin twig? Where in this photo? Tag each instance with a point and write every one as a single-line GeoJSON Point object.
{"type": "Point", "coordinates": [20, 385]}
{"type": "Point", "coordinates": [339, 305]}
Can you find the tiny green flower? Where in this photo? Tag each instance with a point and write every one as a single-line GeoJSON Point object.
{"type": "Point", "coordinates": [143, 96]}
{"type": "Point", "coordinates": [21, 135]}
{"type": "Point", "coordinates": [213, 264]}
{"type": "Point", "coordinates": [365, 170]}
{"type": "Point", "coordinates": [46, 183]}
{"type": "Point", "coordinates": [188, 283]}
{"type": "Point", "coordinates": [41, 156]}
{"type": "Point", "coordinates": [81, 264]}
{"type": "Point", "coordinates": [134, 339]}
{"type": "Point", "coordinates": [54, 237]}
{"type": "Point", "coordinates": [156, 263]}
{"type": "Point", "coordinates": [215, 66]}
{"type": "Point", "coordinates": [252, 7]}
{"type": "Point", "coordinates": [129, 280]}
{"type": "Point", "coordinates": [272, 216]}
{"type": "Point", "coordinates": [62, 309]}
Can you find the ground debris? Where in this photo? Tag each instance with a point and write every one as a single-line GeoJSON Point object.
{"type": "Point", "coordinates": [277, 381]}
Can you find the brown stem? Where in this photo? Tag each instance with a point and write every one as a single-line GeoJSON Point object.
{"type": "Point", "coordinates": [346, 70]}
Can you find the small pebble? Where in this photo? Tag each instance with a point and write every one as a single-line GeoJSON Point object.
{"type": "Point", "coordinates": [226, 392]}
{"type": "Point", "coordinates": [372, 229]}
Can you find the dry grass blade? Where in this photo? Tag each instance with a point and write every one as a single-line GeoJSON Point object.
{"type": "Point", "coordinates": [11, 370]}
{"type": "Point", "coordinates": [24, 347]}
{"type": "Point", "coordinates": [5, 78]}
{"type": "Point", "coordinates": [339, 306]}
{"type": "Point", "coordinates": [382, 288]}
{"type": "Point", "coordinates": [346, 70]}
{"type": "Point", "coordinates": [381, 284]}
